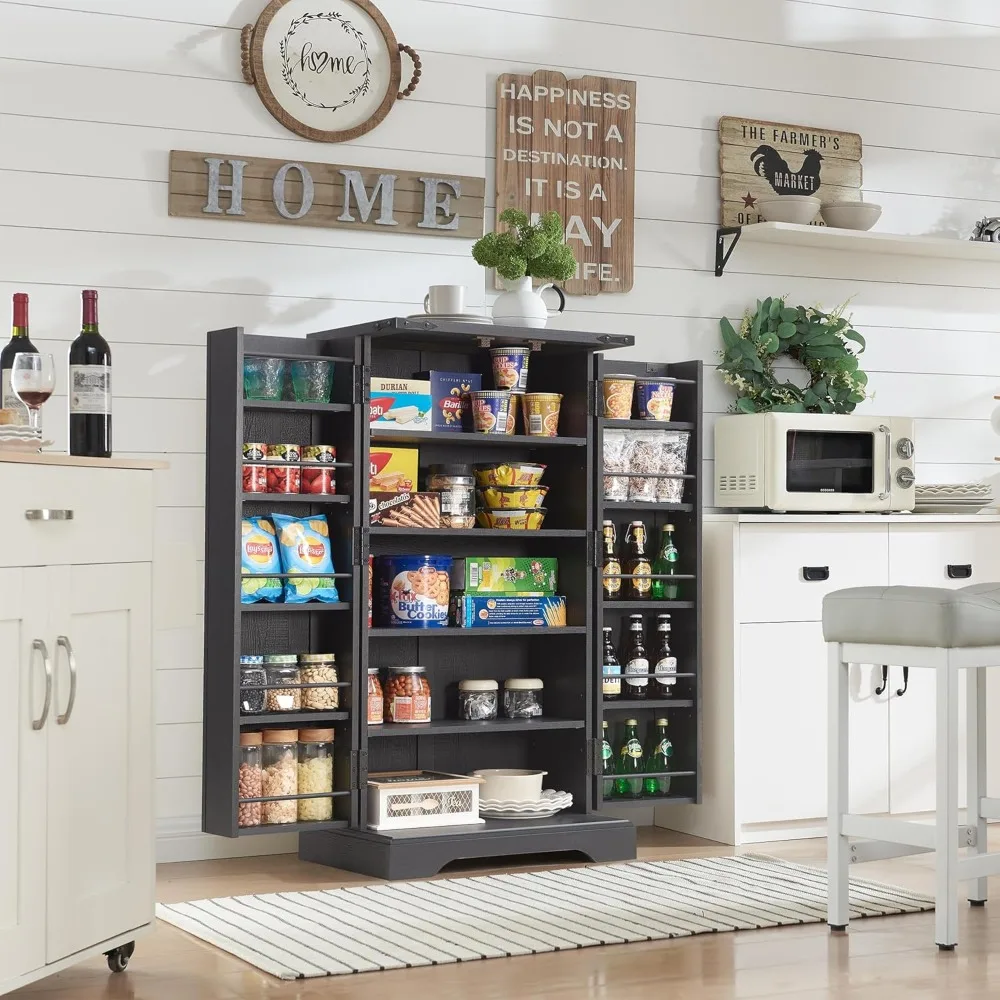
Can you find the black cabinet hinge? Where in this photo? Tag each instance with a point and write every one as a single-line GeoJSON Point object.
{"type": "Point", "coordinates": [360, 546]}
{"type": "Point", "coordinates": [595, 549]}
{"type": "Point", "coordinates": [354, 770]}
{"type": "Point", "coordinates": [362, 383]}
{"type": "Point", "coordinates": [362, 769]}
{"type": "Point", "coordinates": [595, 400]}
{"type": "Point", "coordinates": [595, 763]}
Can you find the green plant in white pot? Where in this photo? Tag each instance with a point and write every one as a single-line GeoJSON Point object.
{"type": "Point", "coordinates": [520, 254]}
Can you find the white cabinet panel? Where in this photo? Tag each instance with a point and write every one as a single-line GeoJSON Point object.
{"type": "Point", "coordinates": [100, 775]}
{"type": "Point", "coordinates": [771, 559]}
{"type": "Point", "coordinates": [920, 554]}
{"type": "Point", "coordinates": [22, 750]}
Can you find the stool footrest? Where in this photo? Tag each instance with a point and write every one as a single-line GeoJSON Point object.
{"type": "Point", "coordinates": [864, 851]}
{"type": "Point", "coordinates": [989, 808]}
{"type": "Point", "coordinates": [895, 831]}
{"type": "Point", "coordinates": [978, 866]}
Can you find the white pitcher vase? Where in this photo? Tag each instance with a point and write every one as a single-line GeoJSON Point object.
{"type": "Point", "coordinates": [522, 305]}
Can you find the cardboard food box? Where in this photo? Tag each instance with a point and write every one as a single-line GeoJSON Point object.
{"type": "Point", "coordinates": [480, 611]}
{"type": "Point", "coordinates": [405, 510]}
{"type": "Point", "coordinates": [400, 405]}
{"type": "Point", "coordinates": [525, 575]}
{"type": "Point", "coordinates": [451, 408]}
{"type": "Point", "coordinates": [392, 470]}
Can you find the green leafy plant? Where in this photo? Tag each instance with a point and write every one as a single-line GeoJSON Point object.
{"type": "Point", "coordinates": [826, 344]}
{"type": "Point", "coordinates": [526, 250]}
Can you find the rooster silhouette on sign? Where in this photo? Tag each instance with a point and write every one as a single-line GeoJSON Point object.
{"type": "Point", "coordinates": [770, 164]}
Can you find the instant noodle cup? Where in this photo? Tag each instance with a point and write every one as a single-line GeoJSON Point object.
{"type": "Point", "coordinates": [510, 368]}
{"type": "Point", "coordinates": [618, 393]}
{"type": "Point", "coordinates": [259, 557]}
{"type": "Point", "coordinates": [541, 413]}
{"type": "Point", "coordinates": [654, 398]}
{"type": "Point", "coordinates": [511, 520]}
{"type": "Point", "coordinates": [513, 497]}
{"type": "Point", "coordinates": [508, 475]}
{"type": "Point", "coordinates": [516, 405]}
{"type": "Point", "coordinates": [304, 546]}
{"type": "Point", "coordinates": [489, 411]}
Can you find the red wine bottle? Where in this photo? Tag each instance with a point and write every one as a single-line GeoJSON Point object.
{"type": "Point", "coordinates": [19, 343]}
{"type": "Point", "coordinates": [90, 387]}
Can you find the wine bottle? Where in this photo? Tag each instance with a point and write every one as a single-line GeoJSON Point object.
{"type": "Point", "coordinates": [19, 344]}
{"type": "Point", "coordinates": [90, 387]}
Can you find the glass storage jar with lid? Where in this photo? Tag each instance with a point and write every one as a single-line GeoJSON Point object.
{"type": "Point", "coordinates": [408, 695]}
{"type": "Point", "coordinates": [283, 692]}
{"type": "Point", "coordinates": [253, 681]}
{"type": "Point", "coordinates": [376, 705]}
{"type": "Point", "coordinates": [315, 773]}
{"type": "Point", "coordinates": [319, 668]}
{"type": "Point", "coordinates": [249, 781]}
{"type": "Point", "coordinates": [477, 700]}
{"type": "Point", "coordinates": [280, 774]}
{"type": "Point", "coordinates": [522, 697]}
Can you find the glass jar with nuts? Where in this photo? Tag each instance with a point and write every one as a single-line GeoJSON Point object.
{"type": "Point", "coordinates": [249, 780]}
{"type": "Point", "coordinates": [315, 773]}
{"type": "Point", "coordinates": [280, 774]}
{"type": "Point", "coordinates": [408, 695]}
{"type": "Point", "coordinates": [283, 692]}
{"type": "Point", "coordinates": [319, 668]}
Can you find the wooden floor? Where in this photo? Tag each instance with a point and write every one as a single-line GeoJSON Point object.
{"type": "Point", "coordinates": [878, 959]}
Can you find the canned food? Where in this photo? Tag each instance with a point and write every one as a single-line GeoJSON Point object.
{"type": "Point", "coordinates": [489, 411]}
{"type": "Point", "coordinates": [284, 452]}
{"type": "Point", "coordinates": [254, 452]}
{"type": "Point", "coordinates": [414, 590]}
{"type": "Point", "coordinates": [325, 453]}
{"type": "Point", "coordinates": [284, 479]}
{"type": "Point", "coordinates": [254, 477]}
{"type": "Point", "coordinates": [319, 479]}
{"type": "Point", "coordinates": [510, 367]}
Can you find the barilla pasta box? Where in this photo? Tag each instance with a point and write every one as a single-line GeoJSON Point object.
{"type": "Point", "coordinates": [451, 408]}
{"type": "Point", "coordinates": [480, 611]}
{"type": "Point", "coordinates": [399, 404]}
{"type": "Point", "coordinates": [392, 470]}
{"type": "Point", "coordinates": [525, 575]}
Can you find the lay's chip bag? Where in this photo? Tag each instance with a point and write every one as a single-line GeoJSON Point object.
{"type": "Point", "coordinates": [304, 544]}
{"type": "Point", "coordinates": [259, 548]}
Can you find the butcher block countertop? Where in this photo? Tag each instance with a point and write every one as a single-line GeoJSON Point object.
{"type": "Point", "coordinates": [55, 458]}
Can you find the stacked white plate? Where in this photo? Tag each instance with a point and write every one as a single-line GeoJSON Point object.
{"type": "Point", "coordinates": [20, 439]}
{"type": "Point", "coordinates": [953, 498]}
{"type": "Point", "coordinates": [546, 807]}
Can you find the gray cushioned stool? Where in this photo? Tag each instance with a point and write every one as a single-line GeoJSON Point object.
{"type": "Point", "coordinates": [935, 629]}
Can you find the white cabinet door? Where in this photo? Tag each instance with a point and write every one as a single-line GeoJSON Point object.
{"type": "Point", "coordinates": [781, 747]}
{"type": "Point", "coordinates": [22, 750]}
{"type": "Point", "coordinates": [100, 774]}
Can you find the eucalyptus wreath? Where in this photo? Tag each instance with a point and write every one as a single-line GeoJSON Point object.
{"type": "Point", "coordinates": [825, 344]}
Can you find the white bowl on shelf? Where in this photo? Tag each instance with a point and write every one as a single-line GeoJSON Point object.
{"type": "Point", "coordinates": [510, 784]}
{"type": "Point", "coordinates": [857, 215]}
{"type": "Point", "coordinates": [799, 209]}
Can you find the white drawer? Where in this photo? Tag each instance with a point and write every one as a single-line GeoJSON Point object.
{"type": "Point", "coordinates": [941, 555]}
{"type": "Point", "coordinates": [773, 558]}
{"type": "Point", "coordinates": [112, 515]}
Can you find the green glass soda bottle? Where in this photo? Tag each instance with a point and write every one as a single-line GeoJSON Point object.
{"type": "Point", "coordinates": [658, 763]}
{"type": "Point", "coordinates": [630, 761]}
{"type": "Point", "coordinates": [665, 564]}
{"type": "Point", "coordinates": [607, 764]}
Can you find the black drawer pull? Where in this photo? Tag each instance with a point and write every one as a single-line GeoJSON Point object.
{"type": "Point", "coordinates": [960, 572]}
{"type": "Point", "coordinates": [815, 574]}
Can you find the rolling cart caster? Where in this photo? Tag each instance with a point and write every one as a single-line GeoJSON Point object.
{"type": "Point", "coordinates": [118, 957]}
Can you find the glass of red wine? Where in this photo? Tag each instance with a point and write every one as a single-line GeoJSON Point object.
{"type": "Point", "coordinates": [33, 380]}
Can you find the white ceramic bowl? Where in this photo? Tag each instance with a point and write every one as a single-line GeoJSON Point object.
{"type": "Point", "coordinates": [851, 214]}
{"type": "Point", "coordinates": [800, 209]}
{"type": "Point", "coordinates": [510, 784]}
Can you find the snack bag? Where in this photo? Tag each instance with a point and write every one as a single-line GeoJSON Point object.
{"type": "Point", "coordinates": [304, 544]}
{"type": "Point", "coordinates": [259, 555]}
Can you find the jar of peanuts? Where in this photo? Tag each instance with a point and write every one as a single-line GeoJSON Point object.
{"type": "Point", "coordinates": [280, 774]}
{"type": "Point", "coordinates": [319, 668]}
{"type": "Point", "coordinates": [315, 773]}
{"type": "Point", "coordinates": [283, 691]}
{"type": "Point", "coordinates": [249, 780]}
{"type": "Point", "coordinates": [376, 706]}
{"type": "Point", "coordinates": [408, 695]}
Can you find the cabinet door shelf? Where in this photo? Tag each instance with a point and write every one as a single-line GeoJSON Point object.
{"type": "Point", "coordinates": [296, 407]}
{"type": "Point", "coordinates": [651, 606]}
{"type": "Point", "coordinates": [471, 633]}
{"type": "Point", "coordinates": [489, 533]}
{"type": "Point", "coordinates": [631, 705]}
{"type": "Point", "coordinates": [293, 718]}
{"type": "Point", "coordinates": [304, 498]}
{"type": "Point", "coordinates": [648, 425]}
{"type": "Point", "coordinates": [313, 606]}
{"type": "Point", "coordinates": [652, 801]}
{"type": "Point", "coordinates": [303, 795]}
{"type": "Point", "coordinates": [469, 439]}
{"type": "Point", "coordinates": [457, 726]}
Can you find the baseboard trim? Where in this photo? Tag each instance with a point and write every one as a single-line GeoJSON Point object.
{"type": "Point", "coordinates": [181, 839]}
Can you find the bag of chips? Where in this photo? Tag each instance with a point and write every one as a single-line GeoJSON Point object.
{"type": "Point", "coordinates": [259, 549]}
{"type": "Point", "coordinates": [304, 544]}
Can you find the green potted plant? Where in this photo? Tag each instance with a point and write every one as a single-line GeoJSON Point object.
{"type": "Point", "coordinates": [521, 253]}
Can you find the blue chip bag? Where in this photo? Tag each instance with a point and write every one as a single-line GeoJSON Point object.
{"type": "Point", "coordinates": [304, 544]}
{"type": "Point", "coordinates": [259, 550]}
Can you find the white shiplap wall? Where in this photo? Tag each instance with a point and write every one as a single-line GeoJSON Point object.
{"type": "Point", "coordinates": [93, 93]}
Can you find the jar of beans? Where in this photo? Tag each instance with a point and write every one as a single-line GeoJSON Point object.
{"type": "Point", "coordinates": [280, 774]}
{"type": "Point", "coordinates": [408, 695]}
{"type": "Point", "coordinates": [319, 668]}
{"type": "Point", "coordinates": [315, 773]}
{"type": "Point", "coordinates": [376, 706]}
{"type": "Point", "coordinates": [249, 781]}
{"type": "Point", "coordinates": [253, 681]}
{"type": "Point", "coordinates": [283, 692]}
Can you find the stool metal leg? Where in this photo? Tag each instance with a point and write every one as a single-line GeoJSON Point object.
{"type": "Point", "coordinates": [946, 820]}
{"type": "Point", "coordinates": [976, 771]}
{"type": "Point", "coordinates": [838, 912]}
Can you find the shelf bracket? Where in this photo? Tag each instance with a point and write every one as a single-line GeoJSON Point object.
{"type": "Point", "coordinates": [722, 255]}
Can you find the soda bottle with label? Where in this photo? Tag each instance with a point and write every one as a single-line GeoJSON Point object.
{"type": "Point", "coordinates": [611, 681]}
{"type": "Point", "coordinates": [607, 764]}
{"type": "Point", "coordinates": [658, 756]}
{"type": "Point", "coordinates": [611, 567]}
{"type": "Point", "coordinates": [665, 564]}
{"type": "Point", "coordinates": [637, 566]}
{"type": "Point", "coordinates": [630, 761]}
{"type": "Point", "coordinates": [665, 663]}
{"type": "Point", "coordinates": [636, 661]}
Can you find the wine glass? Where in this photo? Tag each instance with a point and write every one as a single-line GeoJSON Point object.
{"type": "Point", "coordinates": [33, 380]}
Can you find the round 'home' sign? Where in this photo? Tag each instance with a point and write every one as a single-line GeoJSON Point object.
{"type": "Point", "coordinates": [329, 70]}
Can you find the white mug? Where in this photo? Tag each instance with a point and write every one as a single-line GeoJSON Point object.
{"type": "Point", "coordinates": [445, 300]}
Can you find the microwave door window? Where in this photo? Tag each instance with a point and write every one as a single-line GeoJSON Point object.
{"type": "Point", "coordinates": [830, 462]}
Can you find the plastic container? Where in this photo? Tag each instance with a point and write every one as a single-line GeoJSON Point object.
{"type": "Point", "coordinates": [522, 698]}
{"type": "Point", "coordinates": [408, 695]}
{"type": "Point", "coordinates": [253, 681]}
{"type": "Point", "coordinates": [280, 774]}
{"type": "Point", "coordinates": [319, 668]}
{"type": "Point", "coordinates": [282, 677]}
{"type": "Point", "coordinates": [478, 700]}
{"type": "Point", "coordinates": [414, 591]}
{"type": "Point", "coordinates": [315, 774]}
{"type": "Point", "coordinates": [455, 485]}
{"type": "Point", "coordinates": [376, 704]}
{"type": "Point", "coordinates": [249, 781]}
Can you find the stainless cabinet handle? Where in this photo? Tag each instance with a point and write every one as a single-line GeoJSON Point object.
{"type": "Point", "coordinates": [64, 642]}
{"type": "Point", "coordinates": [39, 647]}
{"type": "Point", "coordinates": [888, 461]}
{"type": "Point", "coordinates": [48, 515]}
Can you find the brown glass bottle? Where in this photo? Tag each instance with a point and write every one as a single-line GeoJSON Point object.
{"type": "Point", "coordinates": [611, 567]}
{"type": "Point", "coordinates": [638, 566]}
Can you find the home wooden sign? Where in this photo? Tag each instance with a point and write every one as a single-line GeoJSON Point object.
{"type": "Point", "coordinates": [569, 146]}
{"type": "Point", "coordinates": [760, 159]}
{"type": "Point", "coordinates": [326, 195]}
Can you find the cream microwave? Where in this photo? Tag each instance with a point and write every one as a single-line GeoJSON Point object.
{"type": "Point", "coordinates": [814, 462]}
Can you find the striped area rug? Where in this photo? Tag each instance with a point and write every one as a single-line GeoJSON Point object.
{"type": "Point", "coordinates": [301, 935]}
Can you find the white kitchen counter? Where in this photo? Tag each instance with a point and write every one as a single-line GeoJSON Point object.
{"type": "Point", "coordinates": [988, 516]}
